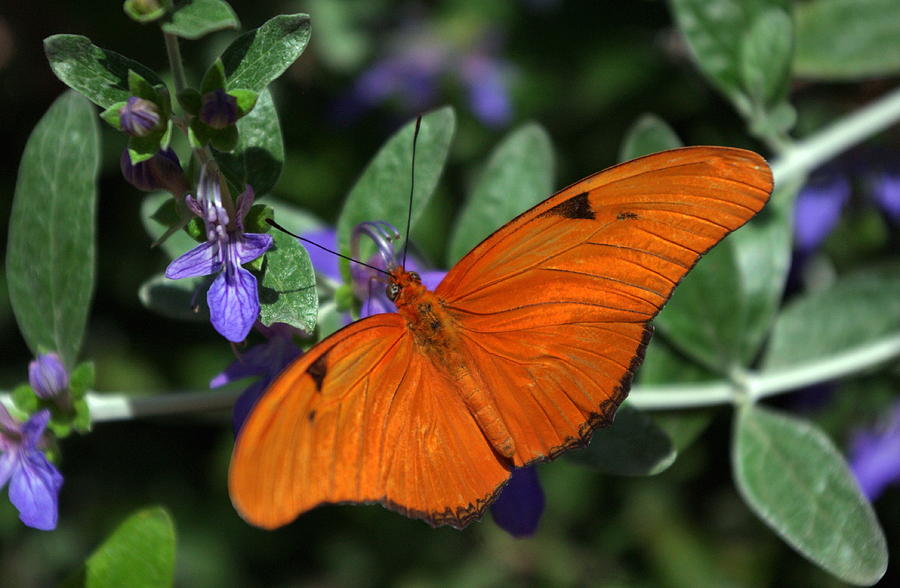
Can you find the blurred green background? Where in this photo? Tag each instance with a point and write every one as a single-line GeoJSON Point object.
{"type": "Point", "coordinates": [585, 71]}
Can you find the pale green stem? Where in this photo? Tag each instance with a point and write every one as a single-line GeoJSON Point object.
{"type": "Point", "coordinates": [115, 407]}
{"type": "Point", "coordinates": [174, 53]}
{"type": "Point", "coordinates": [806, 155]}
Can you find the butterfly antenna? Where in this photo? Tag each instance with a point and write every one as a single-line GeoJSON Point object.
{"type": "Point", "coordinates": [347, 257]}
{"type": "Point", "coordinates": [412, 185]}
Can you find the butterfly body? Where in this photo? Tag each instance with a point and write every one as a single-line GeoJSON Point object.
{"type": "Point", "coordinates": [435, 331]}
{"type": "Point", "coordinates": [528, 344]}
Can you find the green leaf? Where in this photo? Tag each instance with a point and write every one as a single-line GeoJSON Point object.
{"type": "Point", "coordinates": [259, 56]}
{"type": "Point", "coordinates": [183, 299]}
{"type": "Point", "coordinates": [715, 32]}
{"type": "Point", "coordinates": [81, 379]}
{"type": "Point", "coordinates": [50, 261]}
{"type": "Point", "coordinates": [518, 175]}
{"type": "Point", "coordinates": [796, 481]}
{"type": "Point", "coordinates": [857, 309]}
{"type": "Point", "coordinates": [158, 214]}
{"type": "Point", "coordinates": [287, 293]}
{"type": "Point", "coordinates": [649, 134]}
{"type": "Point", "coordinates": [382, 192]}
{"type": "Point", "coordinates": [214, 78]}
{"type": "Point", "coordinates": [721, 312]}
{"type": "Point", "coordinates": [632, 446]}
{"type": "Point", "coordinates": [847, 39]}
{"type": "Point", "coordinates": [765, 57]}
{"type": "Point", "coordinates": [25, 399]}
{"type": "Point", "coordinates": [142, 11]}
{"type": "Point", "coordinates": [193, 19]}
{"type": "Point", "coordinates": [259, 156]}
{"type": "Point", "coordinates": [140, 553]}
{"type": "Point", "coordinates": [98, 74]}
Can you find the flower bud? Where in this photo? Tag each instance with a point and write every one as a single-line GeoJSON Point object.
{"type": "Point", "coordinates": [139, 117]}
{"type": "Point", "coordinates": [160, 172]}
{"type": "Point", "coordinates": [218, 109]}
{"type": "Point", "coordinates": [47, 375]}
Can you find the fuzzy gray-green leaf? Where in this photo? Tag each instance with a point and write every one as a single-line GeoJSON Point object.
{"type": "Point", "coordinates": [647, 135]}
{"type": "Point", "coordinates": [793, 477]}
{"type": "Point", "coordinates": [193, 19]}
{"type": "Point", "coordinates": [518, 175]}
{"type": "Point", "coordinates": [259, 155]}
{"type": "Point", "coordinates": [50, 255]}
{"type": "Point", "coordinates": [99, 74]}
{"type": "Point", "coordinates": [287, 293]}
{"type": "Point", "coordinates": [259, 56]}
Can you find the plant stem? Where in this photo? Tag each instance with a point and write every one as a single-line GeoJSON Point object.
{"type": "Point", "coordinates": [806, 155]}
{"type": "Point", "coordinates": [116, 407]}
{"type": "Point", "coordinates": [175, 63]}
{"type": "Point", "coordinates": [760, 385]}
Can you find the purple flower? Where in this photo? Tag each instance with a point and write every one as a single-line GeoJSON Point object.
{"type": "Point", "coordinates": [875, 456]}
{"type": "Point", "coordinates": [519, 508]}
{"type": "Point", "coordinates": [34, 482]}
{"type": "Point", "coordinates": [218, 109]}
{"type": "Point", "coordinates": [412, 75]}
{"type": "Point", "coordinates": [368, 284]}
{"type": "Point", "coordinates": [232, 298]}
{"type": "Point", "coordinates": [818, 209]}
{"type": "Point", "coordinates": [886, 192]}
{"type": "Point", "coordinates": [47, 375]}
{"type": "Point", "coordinates": [265, 360]}
{"type": "Point", "coordinates": [160, 172]}
{"type": "Point", "coordinates": [139, 117]}
{"type": "Point", "coordinates": [488, 97]}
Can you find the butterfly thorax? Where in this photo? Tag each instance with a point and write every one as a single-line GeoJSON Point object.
{"type": "Point", "coordinates": [433, 328]}
{"type": "Point", "coordinates": [436, 334]}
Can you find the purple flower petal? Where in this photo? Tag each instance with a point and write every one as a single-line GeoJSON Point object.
{"type": "Point", "coordinates": [7, 465]}
{"type": "Point", "coordinates": [47, 375]}
{"type": "Point", "coordinates": [139, 117]}
{"type": "Point", "coordinates": [34, 491]}
{"type": "Point", "coordinates": [202, 260]}
{"type": "Point", "coordinates": [875, 457]}
{"type": "Point", "coordinates": [218, 109]}
{"type": "Point", "coordinates": [488, 97]}
{"type": "Point", "coordinates": [432, 278]}
{"type": "Point", "coordinates": [818, 209]}
{"type": "Point", "coordinates": [251, 245]}
{"type": "Point", "coordinates": [244, 404]}
{"type": "Point", "coordinates": [886, 193]}
{"type": "Point", "coordinates": [233, 304]}
{"type": "Point", "coordinates": [519, 508]}
{"type": "Point", "coordinates": [325, 263]}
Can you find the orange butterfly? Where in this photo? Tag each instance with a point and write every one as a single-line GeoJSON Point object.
{"type": "Point", "coordinates": [528, 344]}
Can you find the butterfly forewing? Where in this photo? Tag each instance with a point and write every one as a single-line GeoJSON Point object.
{"type": "Point", "coordinates": [555, 304]}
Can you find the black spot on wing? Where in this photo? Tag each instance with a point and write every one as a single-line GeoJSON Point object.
{"type": "Point", "coordinates": [575, 207]}
{"type": "Point", "coordinates": [626, 216]}
{"type": "Point", "coordinates": [311, 416]}
{"type": "Point", "coordinates": [317, 371]}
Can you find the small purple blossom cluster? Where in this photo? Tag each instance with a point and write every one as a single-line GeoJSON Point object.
{"type": "Point", "coordinates": [34, 482]}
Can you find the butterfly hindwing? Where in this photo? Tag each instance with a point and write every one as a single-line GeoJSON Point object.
{"type": "Point", "coordinates": [362, 417]}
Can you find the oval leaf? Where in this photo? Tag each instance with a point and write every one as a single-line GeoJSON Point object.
{"type": "Point", "coordinates": [50, 254]}
{"type": "Point", "coordinates": [847, 39]}
{"type": "Point", "coordinates": [792, 476]}
{"type": "Point", "coordinates": [193, 19]}
{"type": "Point", "coordinates": [766, 51]}
{"type": "Point", "coordinates": [858, 309]}
{"type": "Point", "coordinates": [287, 293]}
{"type": "Point", "coordinates": [259, 156]}
{"type": "Point", "coordinates": [140, 553]}
{"type": "Point", "coordinates": [631, 446]}
{"type": "Point", "coordinates": [183, 299]}
{"type": "Point", "coordinates": [714, 30]}
{"type": "Point", "coordinates": [518, 175]}
{"type": "Point", "coordinates": [259, 56]}
{"type": "Point", "coordinates": [100, 75]}
{"type": "Point", "coordinates": [382, 192]}
{"type": "Point", "coordinates": [649, 134]}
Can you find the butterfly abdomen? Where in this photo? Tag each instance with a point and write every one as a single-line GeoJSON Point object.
{"type": "Point", "coordinates": [436, 336]}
